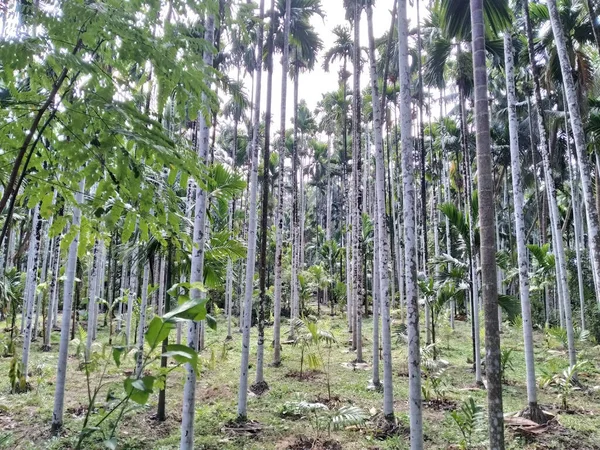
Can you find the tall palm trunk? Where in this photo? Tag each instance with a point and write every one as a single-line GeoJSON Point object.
{"type": "Point", "coordinates": [123, 290]}
{"type": "Point", "coordinates": [53, 293]}
{"type": "Point", "coordinates": [285, 63]}
{"type": "Point", "coordinates": [295, 304]}
{"type": "Point", "coordinates": [581, 149]}
{"type": "Point", "coordinates": [132, 297]}
{"type": "Point", "coordinates": [487, 229]}
{"type": "Point", "coordinates": [197, 266]}
{"type": "Point", "coordinates": [550, 188]}
{"type": "Point", "coordinates": [92, 299]}
{"type": "Point", "coordinates": [251, 256]}
{"type": "Point", "coordinates": [534, 411]}
{"type": "Point", "coordinates": [410, 235]}
{"type": "Point", "coordinates": [382, 243]}
{"type": "Point", "coordinates": [142, 323]}
{"type": "Point", "coordinates": [357, 257]}
{"type": "Point", "coordinates": [264, 220]}
{"type": "Point", "coordinates": [29, 300]}
{"type": "Point", "coordinates": [69, 284]}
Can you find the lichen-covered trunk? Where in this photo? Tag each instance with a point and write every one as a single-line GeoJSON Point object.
{"type": "Point", "coordinates": [382, 253]}
{"type": "Point", "coordinates": [357, 257]}
{"type": "Point", "coordinates": [285, 63]}
{"type": "Point", "coordinates": [69, 284]}
{"type": "Point", "coordinates": [242, 407]}
{"type": "Point", "coordinates": [410, 234]}
{"type": "Point", "coordinates": [31, 280]}
{"type": "Point", "coordinates": [142, 324]}
{"type": "Point", "coordinates": [197, 264]}
{"type": "Point", "coordinates": [544, 151]}
{"type": "Point", "coordinates": [582, 162]}
{"type": "Point", "coordinates": [487, 218]}
{"type": "Point", "coordinates": [519, 216]}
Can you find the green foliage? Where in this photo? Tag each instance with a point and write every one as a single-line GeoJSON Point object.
{"type": "Point", "coordinates": [136, 388]}
{"type": "Point", "coordinates": [565, 382]}
{"type": "Point", "coordinates": [322, 418]}
{"type": "Point", "coordinates": [435, 385]}
{"type": "Point", "coordinates": [469, 419]}
{"type": "Point", "coordinates": [506, 362]}
{"type": "Point", "coordinates": [16, 376]}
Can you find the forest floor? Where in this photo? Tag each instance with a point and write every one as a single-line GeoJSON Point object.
{"type": "Point", "coordinates": [25, 418]}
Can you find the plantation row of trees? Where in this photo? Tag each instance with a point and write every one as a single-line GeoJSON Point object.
{"type": "Point", "coordinates": [144, 191]}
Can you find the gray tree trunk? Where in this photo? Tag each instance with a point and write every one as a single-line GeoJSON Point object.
{"type": "Point", "coordinates": [29, 300]}
{"type": "Point", "coordinates": [242, 408]}
{"type": "Point", "coordinates": [197, 267]}
{"type": "Point", "coordinates": [410, 234]}
{"type": "Point", "coordinates": [382, 255]}
{"type": "Point", "coordinates": [487, 229]}
{"type": "Point", "coordinates": [69, 284]}
{"type": "Point", "coordinates": [519, 216]}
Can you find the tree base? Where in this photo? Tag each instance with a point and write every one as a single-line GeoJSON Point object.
{"type": "Point", "coordinates": [536, 414]}
{"type": "Point", "coordinates": [46, 348]}
{"type": "Point", "coordinates": [259, 388]}
{"type": "Point", "coordinates": [375, 386]}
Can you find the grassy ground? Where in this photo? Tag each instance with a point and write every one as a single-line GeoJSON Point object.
{"type": "Point", "coordinates": [25, 418]}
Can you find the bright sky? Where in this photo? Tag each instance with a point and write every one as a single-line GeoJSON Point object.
{"type": "Point", "coordinates": [314, 84]}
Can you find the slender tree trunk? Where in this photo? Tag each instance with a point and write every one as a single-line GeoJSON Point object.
{"type": "Point", "coordinates": [381, 236]}
{"type": "Point", "coordinates": [53, 293]}
{"type": "Point", "coordinates": [124, 288]}
{"type": "Point", "coordinates": [410, 238]}
{"type": "Point", "coordinates": [487, 229]}
{"type": "Point", "coordinates": [197, 266]}
{"type": "Point", "coordinates": [132, 297]}
{"type": "Point", "coordinates": [92, 300]}
{"type": "Point", "coordinates": [534, 411]}
{"type": "Point", "coordinates": [45, 254]}
{"type": "Point", "coordinates": [280, 190]}
{"type": "Point", "coordinates": [550, 189]}
{"type": "Point", "coordinates": [260, 348]}
{"type": "Point", "coordinates": [142, 323]}
{"type": "Point", "coordinates": [581, 149]}
{"type": "Point", "coordinates": [357, 257]}
{"type": "Point", "coordinates": [69, 284]}
{"type": "Point", "coordinates": [161, 412]}
{"type": "Point", "coordinates": [242, 409]}
{"type": "Point", "coordinates": [29, 301]}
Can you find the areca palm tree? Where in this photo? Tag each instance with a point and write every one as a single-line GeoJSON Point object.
{"type": "Point", "coordinates": [534, 411]}
{"type": "Point", "coordinates": [582, 162]}
{"type": "Point", "coordinates": [487, 228]}
{"type": "Point", "coordinates": [382, 257]}
{"type": "Point", "coordinates": [410, 244]}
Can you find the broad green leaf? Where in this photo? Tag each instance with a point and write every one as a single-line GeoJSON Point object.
{"type": "Point", "coordinates": [139, 390]}
{"type": "Point", "coordinates": [158, 331]}
{"type": "Point", "coordinates": [211, 322]}
{"type": "Point", "coordinates": [190, 310]}
{"type": "Point", "coordinates": [117, 352]}
{"type": "Point", "coordinates": [182, 354]}
{"type": "Point", "coordinates": [128, 226]}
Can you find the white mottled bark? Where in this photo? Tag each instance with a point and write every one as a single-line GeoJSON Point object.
{"type": "Point", "coordinates": [381, 237]}
{"type": "Point", "coordinates": [69, 284]}
{"type": "Point", "coordinates": [285, 62]}
{"type": "Point", "coordinates": [252, 222]}
{"type": "Point", "coordinates": [92, 284]}
{"type": "Point", "coordinates": [32, 262]}
{"type": "Point", "coordinates": [410, 238]}
{"type": "Point", "coordinates": [519, 202]}
{"type": "Point", "coordinates": [132, 297]}
{"type": "Point", "coordinates": [582, 158]}
{"type": "Point", "coordinates": [197, 269]}
{"type": "Point", "coordinates": [142, 323]}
